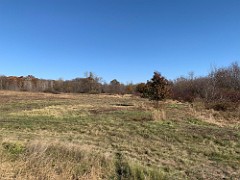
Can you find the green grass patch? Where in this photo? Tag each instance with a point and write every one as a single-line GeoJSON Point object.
{"type": "Point", "coordinates": [13, 149]}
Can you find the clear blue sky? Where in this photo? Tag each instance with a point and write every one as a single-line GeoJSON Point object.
{"type": "Point", "coordinates": [122, 39]}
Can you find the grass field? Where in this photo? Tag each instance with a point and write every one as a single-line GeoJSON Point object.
{"type": "Point", "coordinates": [82, 136]}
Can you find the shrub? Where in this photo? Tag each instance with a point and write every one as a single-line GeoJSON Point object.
{"type": "Point", "coordinates": [221, 105]}
{"type": "Point", "coordinates": [158, 88]}
{"type": "Point", "coordinates": [141, 88]}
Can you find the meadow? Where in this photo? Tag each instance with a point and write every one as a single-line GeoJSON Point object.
{"type": "Point", "coordinates": [101, 136]}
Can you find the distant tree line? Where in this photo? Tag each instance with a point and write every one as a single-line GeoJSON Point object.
{"type": "Point", "coordinates": [89, 84]}
{"type": "Point", "coordinates": [220, 89]}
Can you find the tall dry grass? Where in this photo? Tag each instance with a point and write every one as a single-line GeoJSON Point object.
{"type": "Point", "coordinates": [52, 160]}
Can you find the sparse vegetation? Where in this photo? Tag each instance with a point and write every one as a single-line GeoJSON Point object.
{"type": "Point", "coordinates": [97, 136]}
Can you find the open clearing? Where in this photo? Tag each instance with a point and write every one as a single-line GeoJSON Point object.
{"type": "Point", "coordinates": [82, 136]}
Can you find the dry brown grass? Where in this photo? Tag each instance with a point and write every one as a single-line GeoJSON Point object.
{"type": "Point", "coordinates": [159, 114]}
{"type": "Point", "coordinates": [77, 136]}
{"type": "Point", "coordinates": [52, 160]}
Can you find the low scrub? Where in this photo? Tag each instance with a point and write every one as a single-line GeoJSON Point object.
{"type": "Point", "coordinates": [219, 105]}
